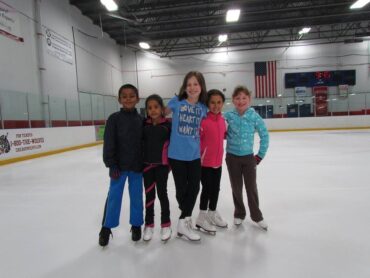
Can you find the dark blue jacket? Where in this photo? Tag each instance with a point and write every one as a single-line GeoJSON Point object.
{"type": "Point", "coordinates": [123, 141]}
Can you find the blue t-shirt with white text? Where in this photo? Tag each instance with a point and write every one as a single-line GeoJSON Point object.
{"type": "Point", "coordinates": [185, 139]}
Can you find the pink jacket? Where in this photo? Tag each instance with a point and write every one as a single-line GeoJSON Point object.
{"type": "Point", "coordinates": [212, 134]}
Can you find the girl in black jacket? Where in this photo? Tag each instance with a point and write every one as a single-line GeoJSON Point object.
{"type": "Point", "coordinates": [156, 136]}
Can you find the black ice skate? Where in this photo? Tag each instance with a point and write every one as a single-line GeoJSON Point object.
{"type": "Point", "coordinates": [104, 235]}
{"type": "Point", "coordinates": [135, 233]}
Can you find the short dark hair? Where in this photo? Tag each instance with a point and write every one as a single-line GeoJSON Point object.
{"type": "Point", "coordinates": [128, 86]}
{"type": "Point", "coordinates": [200, 78]}
{"type": "Point", "coordinates": [215, 92]}
{"type": "Point", "coordinates": [241, 89]}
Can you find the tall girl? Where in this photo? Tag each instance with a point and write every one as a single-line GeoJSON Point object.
{"type": "Point", "coordinates": [156, 136]}
{"type": "Point", "coordinates": [188, 109]}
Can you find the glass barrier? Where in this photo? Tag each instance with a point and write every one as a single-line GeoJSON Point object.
{"type": "Point", "coordinates": [111, 105]}
{"type": "Point", "coordinates": [58, 111]}
{"type": "Point", "coordinates": [25, 110]}
{"type": "Point", "coordinates": [14, 110]}
{"type": "Point", "coordinates": [73, 112]}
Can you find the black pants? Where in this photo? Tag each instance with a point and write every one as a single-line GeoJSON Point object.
{"type": "Point", "coordinates": [210, 179]}
{"type": "Point", "coordinates": [187, 179]}
{"type": "Point", "coordinates": [155, 177]}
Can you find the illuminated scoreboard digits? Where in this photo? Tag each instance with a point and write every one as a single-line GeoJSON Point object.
{"type": "Point", "coordinates": [320, 75]}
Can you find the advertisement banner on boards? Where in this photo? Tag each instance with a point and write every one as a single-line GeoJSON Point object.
{"type": "Point", "coordinates": [23, 142]}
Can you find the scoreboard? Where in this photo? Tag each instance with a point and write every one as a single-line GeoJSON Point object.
{"type": "Point", "coordinates": [320, 78]}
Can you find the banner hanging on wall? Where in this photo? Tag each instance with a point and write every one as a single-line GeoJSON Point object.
{"type": "Point", "coordinates": [58, 46]}
{"type": "Point", "coordinates": [9, 22]}
{"type": "Point", "coordinates": [300, 91]}
{"type": "Point", "coordinates": [343, 90]}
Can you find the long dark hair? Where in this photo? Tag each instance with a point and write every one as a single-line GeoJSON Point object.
{"type": "Point", "coordinates": [157, 98]}
{"type": "Point", "coordinates": [200, 78]}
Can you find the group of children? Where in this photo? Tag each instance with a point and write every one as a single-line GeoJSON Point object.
{"type": "Point", "coordinates": [191, 146]}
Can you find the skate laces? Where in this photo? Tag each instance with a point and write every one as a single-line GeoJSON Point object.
{"type": "Point", "coordinates": [189, 224]}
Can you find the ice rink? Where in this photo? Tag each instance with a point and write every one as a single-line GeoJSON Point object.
{"type": "Point", "coordinates": [314, 192]}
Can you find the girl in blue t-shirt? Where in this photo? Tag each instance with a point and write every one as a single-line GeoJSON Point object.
{"type": "Point", "coordinates": [188, 109]}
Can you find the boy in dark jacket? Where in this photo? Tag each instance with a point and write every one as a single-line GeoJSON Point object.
{"type": "Point", "coordinates": [122, 154]}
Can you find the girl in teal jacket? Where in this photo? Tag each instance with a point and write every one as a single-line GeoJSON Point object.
{"type": "Point", "coordinates": [243, 122]}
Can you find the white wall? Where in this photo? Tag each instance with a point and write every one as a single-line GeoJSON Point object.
{"type": "Point", "coordinates": [102, 67]}
{"type": "Point", "coordinates": [18, 61]}
{"type": "Point", "coordinates": [225, 70]}
{"type": "Point", "coordinates": [98, 58]}
{"type": "Point", "coordinates": [99, 67]}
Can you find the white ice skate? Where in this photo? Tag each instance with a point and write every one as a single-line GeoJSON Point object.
{"type": "Point", "coordinates": [185, 229]}
{"type": "Point", "coordinates": [262, 224]}
{"type": "Point", "coordinates": [148, 233]}
{"type": "Point", "coordinates": [215, 218]}
{"type": "Point", "coordinates": [166, 233]}
{"type": "Point", "coordinates": [238, 221]}
{"type": "Point", "coordinates": [204, 224]}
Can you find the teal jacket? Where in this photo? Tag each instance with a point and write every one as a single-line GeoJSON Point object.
{"type": "Point", "coordinates": [240, 133]}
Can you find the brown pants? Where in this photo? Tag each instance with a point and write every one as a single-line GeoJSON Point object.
{"type": "Point", "coordinates": [240, 167]}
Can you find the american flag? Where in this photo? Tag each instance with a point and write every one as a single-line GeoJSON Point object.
{"type": "Point", "coordinates": [265, 79]}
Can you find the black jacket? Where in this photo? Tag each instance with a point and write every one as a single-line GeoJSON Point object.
{"type": "Point", "coordinates": [123, 141]}
{"type": "Point", "coordinates": [156, 140]}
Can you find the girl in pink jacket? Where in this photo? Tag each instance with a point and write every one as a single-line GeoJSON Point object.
{"type": "Point", "coordinates": [212, 134]}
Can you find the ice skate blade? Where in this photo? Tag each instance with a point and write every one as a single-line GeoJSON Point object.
{"type": "Point", "coordinates": [166, 239]}
{"type": "Point", "coordinates": [261, 228]}
{"type": "Point", "coordinates": [199, 228]}
{"type": "Point", "coordinates": [223, 227]}
{"type": "Point", "coordinates": [179, 235]}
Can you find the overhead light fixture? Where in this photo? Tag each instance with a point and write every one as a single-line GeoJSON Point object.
{"type": "Point", "coordinates": [144, 45]}
{"type": "Point", "coordinates": [232, 15]}
{"type": "Point", "coordinates": [222, 38]}
{"type": "Point", "coordinates": [110, 5]}
{"type": "Point", "coordinates": [304, 30]}
{"type": "Point", "coordinates": [359, 4]}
